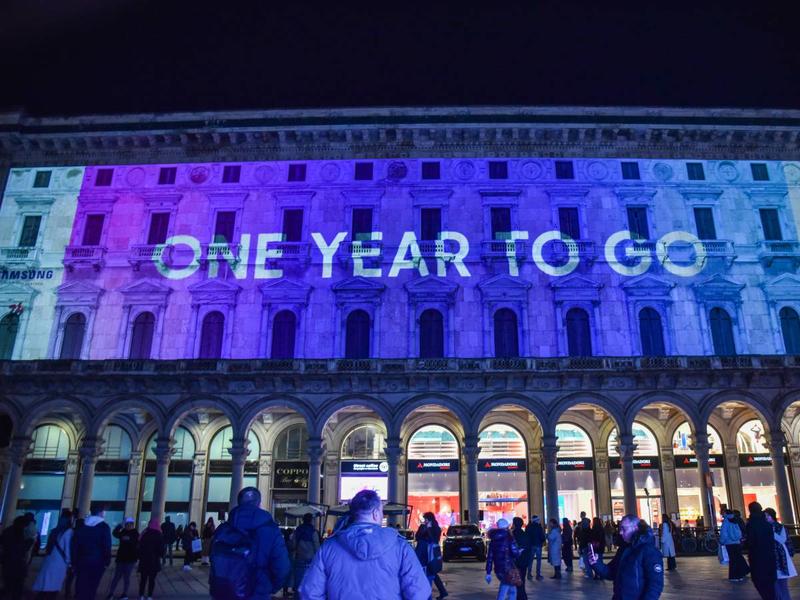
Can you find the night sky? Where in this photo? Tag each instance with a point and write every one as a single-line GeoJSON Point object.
{"type": "Point", "coordinates": [111, 56]}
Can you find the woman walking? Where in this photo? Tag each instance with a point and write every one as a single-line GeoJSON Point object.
{"type": "Point", "coordinates": [524, 544]}
{"type": "Point", "coordinates": [730, 536]}
{"type": "Point", "coordinates": [151, 551]}
{"type": "Point", "coordinates": [51, 576]}
{"type": "Point", "coordinates": [502, 556]}
{"type": "Point", "coordinates": [783, 560]}
{"type": "Point", "coordinates": [566, 544]}
{"type": "Point", "coordinates": [667, 531]}
{"type": "Point", "coordinates": [208, 534]}
{"type": "Point", "coordinates": [554, 548]}
{"type": "Point", "coordinates": [429, 551]}
{"type": "Point", "coordinates": [597, 540]}
{"type": "Point", "coordinates": [189, 536]}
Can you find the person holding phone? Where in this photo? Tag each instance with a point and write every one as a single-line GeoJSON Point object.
{"type": "Point", "coordinates": [637, 568]}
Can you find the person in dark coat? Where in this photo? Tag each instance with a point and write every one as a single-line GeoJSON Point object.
{"type": "Point", "coordinates": [127, 555]}
{"type": "Point", "coordinates": [597, 539]}
{"type": "Point", "coordinates": [15, 557]}
{"type": "Point", "coordinates": [583, 532]}
{"type": "Point", "coordinates": [566, 544]}
{"type": "Point", "coordinates": [189, 535]}
{"type": "Point", "coordinates": [760, 542]}
{"type": "Point", "coordinates": [171, 536]}
{"type": "Point", "coordinates": [430, 534]}
{"type": "Point", "coordinates": [151, 551]}
{"type": "Point", "coordinates": [502, 554]}
{"type": "Point", "coordinates": [524, 545]}
{"type": "Point", "coordinates": [537, 538]}
{"type": "Point", "coordinates": [91, 553]}
{"type": "Point", "coordinates": [637, 568]}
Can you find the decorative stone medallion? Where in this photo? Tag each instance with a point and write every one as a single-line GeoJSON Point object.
{"type": "Point", "coordinates": [531, 169]}
{"type": "Point", "coordinates": [662, 171]}
{"type": "Point", "coordinates": [135, 177]}
{"type": "Point", "coordinates": [265, 174]}
{"type": "Point", "coordinates": [198, 175]}
{"type": "Point", "coordinates": [597, 170]}
{"type": "Point", "coordinates": [330, 172]}
{"type": "Point", "coordinates": [727, 171]}
{"type": "Point", "coordinates": [464, 170]}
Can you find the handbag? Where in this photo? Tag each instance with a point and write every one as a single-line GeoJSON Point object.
{"type": "Point", "coordinates": [197, 545]}
{"type": "Point", "coordinates": [513, 577]}
{"type": "Point", "coordinates": [723, 555]}
{"type": "Point", "coordinates": [434, 564]}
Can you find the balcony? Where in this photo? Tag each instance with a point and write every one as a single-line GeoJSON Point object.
{"type": "Point", "coordinates": [219, 252]}
{"type": "Point", "coordinates": [720, 249]}
{"type": "Point", "coordinates": [15, 257]}
{"type": "Point", "coordinates": [298, 253]}
{"type": "Point", "coordinates": [583, 249]}
{"type": "Point", "coordinates": [501, 250]}
{"type": "Point", "coordinates": [370, 251]}
{"type": "Point", "coordinates": [146, 253]}
{"type": "Point", "coordinates": [783, 252]}
{"type": "Point", "coordinates": [84, 256]}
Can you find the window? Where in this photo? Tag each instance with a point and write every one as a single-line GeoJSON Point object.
{"type": "Point", "coordinates": [630, 170]}
{"type": "Point", "coordinates": [568, 222]}
{"type": "Point", "coordinates": [565, 169]}
{"type": "Point", "coordinates": [116, 443]}
{"type": "Point", "coordinates": [297, 172]}
{"type": "Point", "coordinates": [694, 170]}
{"type": "Point", "coordinates": [506, 335]}
{"type": "Point", "coordinates": [42, 179]}
{"type": "Point", "coordinates": [431, 170]}
{"type": "Point", "coordinates": [142, 336]}
{"type": "Point", "coordinates": [498, 169]}
{"type": "Point", "coordinates": [357, 335]}
{"type": "Point", "coordinates": [431, 334]}
{"type": "Point", "coordinates": [30, 231]}
{"type": "Point", "coordinates": [93, 230]}
{"type": "Point", "coordinates": [759, 171]}
{"type": "Point", "coordinates": [771, 224]}
{"type": "Point", "coordinates": [159, 227]}
{"type": "Point", "coordinates": [284, 326]}
{"type": "Point", "coordinates": [224, 226]}
{"type": "Point", "coordinates": [9, 326]}
{"type": "Point", "coordinates": [501, 223]}
{"type": "Point", "coordinates": [651, 332]}
{"type": "Point", "coordinates": [292, 224]}
{"type": "Point", "coordinates": [790, 327]}
{"type": "Point", "coordinates": [291, 443]}
{"type": "Point", "coordinates": [704, 221]}
{"type": "Point", "coordinates": [363, 171]}
{"type": "Point", "coordinates": [579, 336]}
{"type": "Point", "coordinates": [50, 441]}
{"type": "Point", "coordinates": [430, 223]}
{"type": "Point", "coordinates": [637, 222]}
{"type": "Point", "coordinates": [365, 442]}
{"type": "Point", "coordinates": [166, 176]}
{"type": "Point", "coordinates": [722, 332]}
{"type": "Point", "coordinates": [211, 335]}
{"type": "Point", "coordinates": [362, 224]}
{"type": "Point", "coordinates": [74, 330]}
{"type": "Point", "coordinates": [103, 177]}
{"type": "Point", "coordinates": [231, 174]}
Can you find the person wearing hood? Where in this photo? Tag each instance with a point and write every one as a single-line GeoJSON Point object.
{"type": "Point", "coordinates": [57, 559]}
{"type": "Point", "coordinates": [730, 536]}
{"type": "Point", "coordinates": [365, 560]}
{"type": "Point", "coordinates": [761, 552]}
{"type": "Point", "coordinates": [91, 553]}
{"type": "Point", "coordinates": [152, 548]}
{"type": "Point", "coordinates": [637, 568]}
{"type": "Point", "coordinates": [783, 558]}
{"type": "Point", "coordinates": [502, 554]}
{"type": "Point", "coordinates": [303, 546]}
{"type": "Point", "coordinates": [554, 548]}
{"type": "Point", "coordinates": [536, 539]}
{"type": "Point", "coordinates": [127, 555]}
{"type": "Point", "coordinates": [429, 551]}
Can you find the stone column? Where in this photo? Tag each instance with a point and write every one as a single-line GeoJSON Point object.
{"type": "Point", "coordinates": [536, 502]}
{"type": "Point", "coordinates": [669, 481]}
{"type": "Point", "coordinates": [626, 449]}
{"type": "Point", "coordinates": [550, 456]}
{"type": "Point", "coordinates": [134, 485]}
{"type": "Point", "coordinates": [471, 450]}
{"type": "Point", "coordinates": [90, 452]}
{"type": "Point", "coordinates": [264, 479]}
{"type": "Point", "coordinates": [238, 452]}
{"type": "Point", "coordinates": [776, 442]}
{"type": "Point", "coordinates": [733, 475]}
{"type": "Point", "coordinates": [17, 452]}
{"type": "Point", "coordinates": [602, 481]}
{"type": "Point", "coordinates": [316, 452]}
{"type": "Point", "coordinates": [70, 481]}
{"type": "Point", "coordinates": [702, 448]}
{"type": "Point", "coordinates": [198, 498]}
{"type": "Point", "coordinates": [163, 452]}
{"type": "Point", "coordinates": [394, 454]}
{"type": "Point", "coordinates": [794, 465]}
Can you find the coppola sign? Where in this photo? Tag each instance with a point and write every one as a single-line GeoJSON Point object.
{"type": "Point", "coordinates": [290, 475]}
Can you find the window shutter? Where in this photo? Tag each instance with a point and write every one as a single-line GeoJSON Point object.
{"type": "Point", "coordinates": [357, 335]}
{"type": "Point", "coordinates": [722, 333]}
{"type": "Point", "coordinates": [142, 336]}
{"type": "Point", "coordinates": [501, 223]}
{"type": "Point", "coordinates": [93, 230]}
{"type": "Point", "coordinates": [431, 334]}
{"type": "Point", "coordinates": [771, 224]}
{"type": "Point", "coordinates": [211, 335]}
{"type": "Point", "coordinates": [30, 231]}
{"type": "Point", "coordinates": [704, 220]}
{"type": "Point", "coordinates": [568, 222]}
{"type": "Point", "coordinates": [790, 327]}
{"type": "Point", "coordinates": [362, 223]}
{"type": "Point", "coordinates": [579, 335]}
{"type": "Point", "coordinates": [637, 222]}
{"type": "Point", "coordinates": [9, 326]}
{"type": "Point", "coordinates": [651, 332]}
{"type": "Point", "coordinates": [292, 224]}
{"type": "Point", "coordinates": [159, 227]}
{"type": "Point", "coordinates": [506, 336]}
{"type": "Point", "coordinates": [74, 330]}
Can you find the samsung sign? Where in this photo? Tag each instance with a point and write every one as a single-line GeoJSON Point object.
{"type": "Point", "coordinates": [433, 466]}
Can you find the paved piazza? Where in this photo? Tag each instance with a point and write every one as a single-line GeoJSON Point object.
{"type": "Point", "coordinates": [695, 579]}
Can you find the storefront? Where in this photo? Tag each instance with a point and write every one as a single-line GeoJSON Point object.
{"type": "Point", "coordinates": [357, 475]}
{"type": "Point", "coordinates": [111, 475]}
{"type": "Point", "coordinates": [434, 476]}
{"type": "Point", "coordinates": [289, 472]}
{"type": "Point", "coordinates": [179, 480]}
{"type": "Point", "coordinates": [690, 489]}
{"type": "Point", "coordinates": [218, 489]}
{"type": "Point", "coordinates": [755, 466]}
{"type": "Point", "coordinates": [502, 475]}
{"type": "Point", "coordinates": [646, 474]}
{"type": "Point", "coordinates": [575, 472]}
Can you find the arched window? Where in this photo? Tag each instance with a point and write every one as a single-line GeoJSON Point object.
{"type": "Point", "coordinates": [284, 326]}
{"type": "Point", "coordinates": [116, 443]}
{"type": "Point", "coordinates": [74, 330]}
{"type": "Point", "coordinates": [752, 438]}
{"type": "Point", "coordinates": [682, 440]}
{"type": "Point", "coordinates": [433, 442]}
{"type": "Point", "coordinates": [142, 335]}
{"type": "Point", "coordinates": [183, 445]}
{"type": "Point", "coordinates": [365, 442]}
{"type": "Point", "coordinates": [357, 335]}
{"type": "Point", "coordinates": [790, 327]}
{"type": "Point", "coordinates": [651, 332]}
{"type": "Point", "coordinates": [645, 440]}
{"type": "Point", "coordinates": [50, 441]}
{"type": "Point", "coordinates": [579, 336]}
{"type": "Point", "coordinates": [211, 335]}
{"type": "Point", "coordinates": [506, 335]}
{"type": "Point", "coordinates": [291, 443]}
{"type": "Point", "coordinates": [9, 325]}
{"type": "Point", "coordinates": [220, 445]}
{"type": "Point", "coordinates": [722, 332]}
{"type": "Point", "coordinates": [431, 334]}
{"type": "Point", "coordinates": [573, 441]}
{"type": "Point", "coordinates": [501, 441]}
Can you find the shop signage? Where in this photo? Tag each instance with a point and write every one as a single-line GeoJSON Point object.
{"type": "Point", "coordinates": [585, 463]}
{"type": "Point", "coordinates": [502, 464]}
{"type": "Point", "coordinates": [639, 462]}
{"type": "Point", "coordinates": [365, 467]}
{"type": "Point", "coordinates": [689, 461]}
{"type": "Point", "coordinates": [755, 460]}
{"type": "Point", "coordinates": [433, 466]}
{"type": "Point", "coordinates": [290, 475]}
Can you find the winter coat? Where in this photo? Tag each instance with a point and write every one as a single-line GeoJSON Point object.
{"type": "Point", "coordinates": [272, 557]}
{"type": "Point", "coordinates": [305, 543]}
{"type": "Point", "coordinates": [188, 536]}
{"type": "Point", "coordinates": [535, 534]}
{"type": "Point", "coordinates": [169, 532]}
{"type": "Point", "coordinates": [584, 533]}
{"type": "Point", "coordinates": [554, 547]}
{"type": "Point", "coordinates": [54, 566]}
{"type": "Point", "coordinates": [761, 549]}
{"type": "Point", "coordinates": [566, 543]}
{"type": "Point", "coordinates": [91, 545]}
{"type": "Point", "coordinates": [667, 541]}
{"type": "Point", "coordinates": [524, 544]}
{"type": "Point", "coordinates": [597, 538]}
{"type": "Point", "coordinates": [730, 533]}
{"type": "Point", "coordinates": [502, 553]}
{"type": "Point", "coordinates": [151, 551]}
{"type": "Point", "coordinates": [637, 569]}
{"type": "Point", "coordinates": [781, 535]}
{"type": "Point", "coordinates": [365, 560]}
{"type": "Point", "coordinates": [127, 551]}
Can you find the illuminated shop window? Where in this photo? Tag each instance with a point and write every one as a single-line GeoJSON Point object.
{"type": "Point", "coordinates": [50, 441]}
{"type": "Point", "coordinates": [116, 443]}
{"type": "Point", "coordinates": [183, 445]}
{"type": "Point", "coordinates": [291, 443]}
{"type": "Point", "coordinates": [220, 445]}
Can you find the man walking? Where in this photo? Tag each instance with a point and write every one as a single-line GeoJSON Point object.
{"type": "Point", "coordinates": [760, 543]}
{"type": "Point", "coordinates": [127, 554]}
{"type": "Point", "coordinates": [536, 539]}
{"type": "Point", "coordinates": [584, 539]}
{"type": "Point", "coordinates": [365, 560]}
{"type": "Point", "coordinates": [169, 535]}
{"type": "Point", "coordinates": [91, 553]}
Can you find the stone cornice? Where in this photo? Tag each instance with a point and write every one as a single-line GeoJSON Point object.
{"type": "Point", "coordinates": [401, 132]}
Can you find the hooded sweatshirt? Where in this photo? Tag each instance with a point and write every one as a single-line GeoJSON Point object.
{"type": "Point", "coordinates": [365, 561]}
{"type": "Point", "coordinates": [91, 544]}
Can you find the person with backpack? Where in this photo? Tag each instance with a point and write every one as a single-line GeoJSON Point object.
{"type": "Point", "coordinates": [303, 546]}
{"type": "Point", "coordinates": [152, 548]}
{"type": "Point", "coordinates": [127, 555]}
{"type": "Point", "coordinates": [429, 551]}
{"type": "Point", "coordinates": [53, 571]}
{"type": "Point", "coordinates": [91, 553]}
{"type": "Point", "coordinates": [249, 559]}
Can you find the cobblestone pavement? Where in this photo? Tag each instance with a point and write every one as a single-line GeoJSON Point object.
{"type": "Point", "coordinates": [695, 579]}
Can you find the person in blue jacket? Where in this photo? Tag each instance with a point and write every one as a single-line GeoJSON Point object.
{"type": "Point", "coordinates": [637, 568]}
{"type": "Point", "coordinates": [91, 553]}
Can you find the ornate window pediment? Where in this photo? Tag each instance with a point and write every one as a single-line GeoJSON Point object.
{"type": "Point", "coordinates": [358, 290]}
{"type": "Point", "coordinates": [648, 286]}
{"type": "Point", "coordinates": [78, 293]}
{"type": "Point", "coordinates": [431, 289]}
{"type": "Point", "coordinates": [576, 288]}
{"type": "Point", "coordinates": [214, 291]}
{"type": "Point", "coordinates": [145, 292]}
{"type": "Point", "coordinates": [503, 288]}
{"type": "Point", "coordinates": [784, 288]}
{"type": "Point", "coordinates": [718, 289]}
{"type": "Point", "coordinates": [285, 291]}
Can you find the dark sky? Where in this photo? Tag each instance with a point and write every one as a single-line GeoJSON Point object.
{"type": "Point", "coordinates": [108, 56]}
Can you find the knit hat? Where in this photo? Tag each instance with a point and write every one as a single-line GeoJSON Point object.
{"type": "Point", "coordinates": [502, 524]}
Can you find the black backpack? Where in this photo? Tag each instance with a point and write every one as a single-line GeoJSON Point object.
{"type": "Point", "coordinates": [234, 569]}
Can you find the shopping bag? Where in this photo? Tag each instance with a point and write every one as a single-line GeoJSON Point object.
{"type": "Point", "coordinates": [197, 546]}
{"type": "Point", "coordinates": [581, 564]}
{"type": "Point", "coordinates": [722, 555]}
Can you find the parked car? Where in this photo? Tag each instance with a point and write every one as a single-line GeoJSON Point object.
{"type": "Point", "coordinates": [464, 540]}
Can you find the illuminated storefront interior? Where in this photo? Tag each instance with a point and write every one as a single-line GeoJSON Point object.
{"type": "Point", "coordinates": [646, 472]}
{"type": "Point", "coordinates": [575, 472]}
{"type": "Point", "coordinates": [690, 489]}
{"type": "Point", "coordinates": [363, 463]}
{"type": "Point", "coordinates": [755, 466]}
{"type": "Point", "coordinates": [502, 475]}
{"type": "Point", "coordinates": [179, 481]}
{"type": "Point", "coordinates": [433, 475]}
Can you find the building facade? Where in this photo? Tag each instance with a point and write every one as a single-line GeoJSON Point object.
{"type": "Point", "coordinates": [483, 313]}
